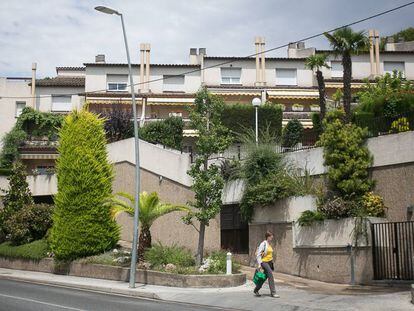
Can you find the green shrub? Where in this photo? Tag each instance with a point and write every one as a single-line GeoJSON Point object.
{"type": "Point", "coordinates": [29, 224]}
{"type": "Point", "coordinates": [292, 133]}
{"type": "Point", "coordinates": [11, 142]}
{"type": "Point", "coordinates": [231, 170]}
{"type": "Point", "coordinates": [347, 158]}
{"type": "Point", "coordinates": [82, 223]}
{"type": "Point", "coordinates": [159, 255]}
{"type": "Point", "coordinates": [337, 207]}
{"type": "Point", "coordinates": [5, 171]}
{"type": "Point", "coordinates": [316, 123]}
{"type": "Point", "coordinates": [239, 117]}
{"type": "Point", "coordinates": [118, 124]}
{"type": "Point", "coordinates": [218, 263]}
{"type": "Point", "coordinates": [308, 217]}
{"type": "Point", "coordinates": [260, 163]}
{"type": "Point", "coordinates": [168, 132]}
{"type": "Point", "coordinates": [35, 250]}
{"type": "Point", "coordinates": [16, 197]}
{"type": "Point", "coordinates": [373, 205]}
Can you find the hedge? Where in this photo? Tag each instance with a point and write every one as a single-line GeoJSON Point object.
{"type": "Point", "coordinates": [239, 117]}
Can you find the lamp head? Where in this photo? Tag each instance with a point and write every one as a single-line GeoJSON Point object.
{"type": "Point", "coordinates": [106, 10]}
{"type": "Point", "coordinates": [256, 102]}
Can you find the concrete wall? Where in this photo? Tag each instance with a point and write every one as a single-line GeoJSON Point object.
{"type": "Point", "coordinates": [38, 185]}
{"type": "Point", "coordinates": [323, 264]}
{"type": "Point", "coordinates": [44, 101]}
{"type": "Point", "coordinates": [168, 229]}
{"type": "Point", "coordinates": [167, 163]}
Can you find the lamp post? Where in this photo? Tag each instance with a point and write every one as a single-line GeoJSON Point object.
{"type": "Point", "coordinates": [110, 11]}
{"type": "Point", "coordinates": [256, 102]}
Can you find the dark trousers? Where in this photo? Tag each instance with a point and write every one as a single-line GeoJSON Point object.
{"type": "Point", "coordinates": [268, 269]}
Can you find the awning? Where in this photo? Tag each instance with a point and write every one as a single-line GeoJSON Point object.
{"type": "Point", "coordinates": [340, 85]}
{"type": "Point", "coordinates": [39, 156]}
{"type": "Point", "coordinates": [170, 101]}
{"type": "Point", "coordinates": [236, 93]}
{"type": "Point", "coordinates": [293, 94]}
{"type": "Point", "coordinates": [190, 133]}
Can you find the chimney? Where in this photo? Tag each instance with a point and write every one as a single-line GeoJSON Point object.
{"type": "Point", "coordinates": [374, 52]}
{"type": "Point", "coordinates": [202, 52]}
{"type": "Point", "coordinates": [144, 67]}
{"type": "Point", "coordinates": [299, 50]}
{"type": "Point", "coordinates": [100, 59]}
{"type": "Point", "coordinates": [193, 56]}
{"type": "Point", "coordinates": [34, 67]}
{"type": "Point", "coordinates": [259, 43]}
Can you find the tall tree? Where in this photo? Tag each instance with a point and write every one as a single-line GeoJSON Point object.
{"type": "Point", "coordinates": [346, 42]}
{"type": "Point", "coordinates": [213, 138]}
{"type": "Point", "coordinates": [150, 209]}
{"type": "Point", "coordinates": [316, 63]}
{"type": "Point", "coordinates": [82, 223]}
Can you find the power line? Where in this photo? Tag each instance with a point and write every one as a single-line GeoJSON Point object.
{"type": "Point", "coordinates": [232, 61]}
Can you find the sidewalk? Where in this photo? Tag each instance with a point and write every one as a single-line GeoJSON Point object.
{"type": "Point", "coordinates": [229, 298]}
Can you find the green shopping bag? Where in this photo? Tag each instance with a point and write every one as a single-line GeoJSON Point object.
{"type": "Point", "coordinates": [259, 277]}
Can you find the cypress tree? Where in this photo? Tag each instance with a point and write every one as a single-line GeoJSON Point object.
{"type": "Point", "coordinates": [82, 224]}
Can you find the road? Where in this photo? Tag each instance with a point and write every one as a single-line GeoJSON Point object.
{"type": "Point", "coordinates": [21, 296]}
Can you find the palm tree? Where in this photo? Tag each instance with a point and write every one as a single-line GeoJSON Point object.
{"type": "Point", "coordinates": [346, 42]}
{"type": "Point", "coordinates": [315, 63]}
{"type": "Point", "coordinates": [150, 208]}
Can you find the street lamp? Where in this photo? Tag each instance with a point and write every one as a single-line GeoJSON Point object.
{"type": "Point", "coordinates": [256, 102]}
{"type": "Point", "coordinates": [110, 11]}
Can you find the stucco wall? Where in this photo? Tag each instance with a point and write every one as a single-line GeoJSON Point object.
{"type": "Point", "coordinates": [168, 229]}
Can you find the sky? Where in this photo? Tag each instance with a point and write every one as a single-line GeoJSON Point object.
{"type": "Point", "coordinates": [70, 32]}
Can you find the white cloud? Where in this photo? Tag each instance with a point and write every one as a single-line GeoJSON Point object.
{"type": "Point", "coordinates": [69, 32]}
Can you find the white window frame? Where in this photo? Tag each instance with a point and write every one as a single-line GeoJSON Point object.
{"type": "Point", "coordinates": [69, 108]}
{"type": "Point", "coordinates": [18, 110]}
{"type": "Point", "coordinates": [394, 62]}
{"type": "Point", "coordinates": [118, 88]}
{"type": "Point", "coordinates": [231, 77]}
{"type": "Point", "coordinates": [175, 114]}
{"type": "Point", "coordinates": [284, 80]}
{"type": "Point", "coordinates": [337, 73]}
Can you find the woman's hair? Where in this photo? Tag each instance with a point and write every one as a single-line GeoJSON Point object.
{"type": "Point", "coordinates": [268, 234]}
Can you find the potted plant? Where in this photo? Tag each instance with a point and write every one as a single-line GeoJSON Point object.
{"type": "Point", "coordinates": [297, 107]}
{"type": "Point", "coordinates": [315, 107]}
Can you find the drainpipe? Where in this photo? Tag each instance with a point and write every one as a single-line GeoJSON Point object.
{"type": "Point", "coordinates": [377, 56]}
{"type": "Point", "coordinates": [34, 66]}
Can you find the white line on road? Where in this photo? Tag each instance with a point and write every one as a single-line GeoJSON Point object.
{"type": "Point", "coordinates": [41, 302]}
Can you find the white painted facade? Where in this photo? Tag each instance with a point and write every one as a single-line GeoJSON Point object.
{"type": "Point", "coordinates": [9, 107]}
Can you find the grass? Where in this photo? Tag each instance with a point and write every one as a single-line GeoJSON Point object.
{"type": "Point", "coordinates": [35, 250]}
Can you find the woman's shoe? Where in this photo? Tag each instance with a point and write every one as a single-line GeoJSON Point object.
{"type": "Point", "coordinates": [274, 295]}
{"type": "Point", "coordinates": [256, 292]}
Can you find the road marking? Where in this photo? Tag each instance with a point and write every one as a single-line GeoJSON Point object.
{"type": "Point", "coordinates": [41, 302]}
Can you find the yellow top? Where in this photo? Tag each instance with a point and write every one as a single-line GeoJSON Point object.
{"type": "Point", "coordinates": [269, 255]}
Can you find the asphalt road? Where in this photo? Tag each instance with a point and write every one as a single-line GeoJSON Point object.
{"type": "Point", "coordinates": [18, 296]}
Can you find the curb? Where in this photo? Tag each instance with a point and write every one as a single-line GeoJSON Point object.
{"type": "Point", "coordinates": [124, 292]}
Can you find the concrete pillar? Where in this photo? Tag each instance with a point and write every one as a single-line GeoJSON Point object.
{"type": "Point", "coordinates": [147, 73]}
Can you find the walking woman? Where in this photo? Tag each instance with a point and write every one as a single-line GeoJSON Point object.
{"type": "Point", "coordinates": [265, 261]}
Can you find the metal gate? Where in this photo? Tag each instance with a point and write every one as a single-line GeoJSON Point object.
{"type": "Point", "coordinates": [393, 250]}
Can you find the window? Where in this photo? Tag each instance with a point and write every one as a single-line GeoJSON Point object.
{"type": "Point", "coordinates": [337, 70]}
{"type": "Point", "coordinates": [117, 83]}
{"type": "Point", "coordinates": [390, 67]}
{"type": "Point", "coordinates": [61, 103]}
{"type": "Point", "coordinates": [19, 108]}
{"type": "Point", "coordinates": [285, 76]}
{"type": "Point", "coordinates": [173, 83]}
{"type": "Point", "coordinates": [230, 75]}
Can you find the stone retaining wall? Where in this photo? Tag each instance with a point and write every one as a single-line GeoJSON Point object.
{"type": "Point", "coordinates": [122, 274]}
